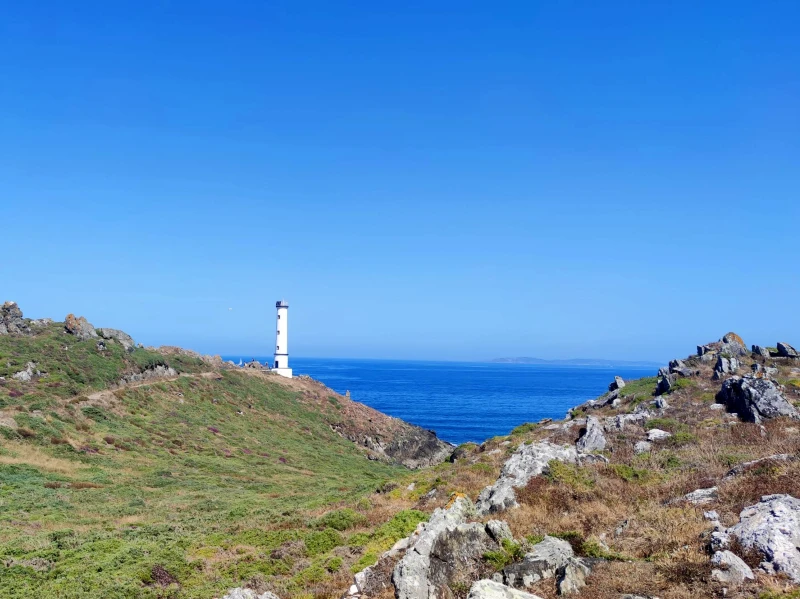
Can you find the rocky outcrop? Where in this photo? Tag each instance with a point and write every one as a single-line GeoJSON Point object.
{"type": "Point", "coordinates": [543, 562]}
{"type": "Point", "coordinates": [761, 351]}
{"type": "Point", "coordinates": [763, 371]}
{"type": "Point", "coordinates": [592, 439]}
{"type": "Point", "coordinates": [416, 447]}
{"type": "Point", "coordinates": [488, 589]}
{"type": "Point", "coordinates": [527, 462]}
{"type": "Point", "coordinates": [725, 366]}
{"type": "Point", "coordinates": [617, 384]}
{"type": "Point", "coordinates": [411, 575]}
{"type": "Point", "coordinates": [456, 558]}
{"type": "Point", "coordinates": [619, 422]}
{"type": "Point", "coordinates": [118, 336]}
{"type": "Point", "coordinates": [11, 321]}
{"type": "Point", "coordinates": [156, 372]}
{"type": "Point", "coordinates": [731, 345]}
{"type": "Point", "coordinates": [665, 383]}
{"type": "Point", "coordinates": [786, 351]}
{"type": "Point", "coordinates": [572, 577]}
{"type": "Point", "coordinates": [79, 327]}
{"type": "Point", "coordinates": [28, 373]}
{"type": "Point", "coordinates": [731, 569]}
{"type": "Point", "coordinates": [680, 368]}
{"type": "Point", "coordinates": [245, 593]}
{"type": "Point", "coordinates": [642, 447]}
{"type": "Point", "coordinates": [744, 467]}
{"type": "Point", "coordinates": [755, 399]}
{"type": "Point", "coordinates": [772, 527]}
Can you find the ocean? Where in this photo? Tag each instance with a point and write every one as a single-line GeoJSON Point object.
{"type": "Point", "coordinates": [462, 401]}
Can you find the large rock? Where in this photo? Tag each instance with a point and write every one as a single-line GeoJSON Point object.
{"type": "Point", "coordinates": [593, 438]}
{"type": "Point", "coordinates": [657, 435]}
{"type": "Point", "coordinates": [527, 462]}
{"type": "Point", "coordinates": [572, 576]}
{"type": "Point", "coordinates": [123, 338]}
{"type": "Point", "coordinates": [456, 558]}
{"type": "Point", "coordinates": [786, 350]}
{"type": "Point", "coordinates": [79, 327]}
{"type": "Point", "coordinates": [772, 527]}
{"type": "Point", "coordinates": [11, 321]}
{"type": "Point", "coordinates": [755, 399]}
{"type": "Point", "coordinates": [761, 351]}
{"type": "Point", "coordinates": [617, 384]}
{"type": "Point", "coordinates": [731, 569]}
{"type": "Point", "coordinates": [411, 576]}
{"type": "Point", "coordinates": [666, 383]}
{"type": "Point", "coordinates": [543, 562]}
{"type": "Point", "coordinates": [702, 496]}
{"type": "Point", "coordinates": [725, 366]}
{"type": "Point", "coordinates": [678, 367]}
{"type": "Point", "coordinates": [488, 589]}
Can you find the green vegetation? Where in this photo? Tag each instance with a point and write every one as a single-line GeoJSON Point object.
{"type": "Point", "coordinates": [578, 478]}
{"type": "Point", "coordinates": [176, 488]}
{"type": "Point", "coordinates": [385, 536]}
{"type": "Point", "coordinates": [524, 428]}
{"type": "Point", "coordinates": [509, 552]}
{"type": "Point", "coordinates": [639, 390]}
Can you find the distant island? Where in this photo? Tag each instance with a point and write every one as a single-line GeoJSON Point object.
{"type": "Point", "coordinates": [575, 362]}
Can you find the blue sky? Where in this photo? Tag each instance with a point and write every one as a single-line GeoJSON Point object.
{"type": "Point", "coordinates": [447, 180]}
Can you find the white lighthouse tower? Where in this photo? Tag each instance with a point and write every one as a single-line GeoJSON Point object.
{"type": "Point", "coordinates": [281, 363]}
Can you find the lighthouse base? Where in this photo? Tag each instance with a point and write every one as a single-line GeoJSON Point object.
{"type": "Point", "coordinates": [283, 372]}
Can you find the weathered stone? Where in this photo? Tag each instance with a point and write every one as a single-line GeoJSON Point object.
{"type": "Point", "coordinates": [572, 576]}
{"type": "Point", "coordinates": [592, 439]}
{"type": "Point", "coordinates": [716, 406]}
{"type": "Point", "coordinates": [665, 384]}
{"type": "Point", "coordinates": [619, 422]}
{"type": "Point", "coordinates": [27, 374]}
{"type": "Point", "coordinates": [702, 496]}
{"type": "Point", "coordinates": [763, 371]}
{"type": "Point", "coordinates": [527, 462]}
{"type": "Point", "coordinates": [732, 569]}
{"type": "Point", "coordinates": [499, 531]}
{"type": "Point", "coordinates": [772, 527]}
{"type": "Point", "coordinates": [725, 366]}
{"type": "Point", "coordinates": [543, 562]}
{"type": "Point", "coordinates": [755, 399]}
{"type": "Point", "coordinates": [79, 327]}
{"type": "Point", "coordinates": [656, 435]}
{"type": "Point", "coordinates": [642, 447]}
{"type": "Point", "coordinates": [720, 540]}
{"type": "Point", "coordinates": [617, 384]}
{"type": "Point", "coordinates": [488, 589]}
{"type": "Point", "coordinates": [411, 574]}
{"type": "Point", "coordinates": [245, 593]}
{"type": "Point", "coordinates": [123, 338]}
{"type": "Point", "coordinates": [456, 558]}
{"type": "Point", "coordinates": [11, 321]}
{"type": "Point", "coordinates": [661, 403]}
{"type": "Point", "coordinates": [761, 351]}
{"type": "Point", "coordinates": [786, 350]}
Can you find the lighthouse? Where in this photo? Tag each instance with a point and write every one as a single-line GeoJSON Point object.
{"type": "Point", "coordinates": [281, 363]}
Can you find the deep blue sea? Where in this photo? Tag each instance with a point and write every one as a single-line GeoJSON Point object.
{"type": "Point", "coordinates": [462, 401]}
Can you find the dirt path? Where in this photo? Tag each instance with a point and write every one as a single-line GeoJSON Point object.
{"type": "Point", "coordinates": [107, 394]}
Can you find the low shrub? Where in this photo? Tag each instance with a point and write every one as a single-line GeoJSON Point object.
{"type": "Point", "coordinates": [341, 520]}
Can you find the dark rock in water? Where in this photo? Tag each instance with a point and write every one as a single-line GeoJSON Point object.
{"type": "Point", "coordinates": [123, 338]}
{"type": "Point", "coordinates": [755, 399]}
{"type": "Point", "coordinates": [786, 350]}
{"type": "Point", "coordinates": [79, 327]}
{"type": "Point", "coordinates": [11, 321]}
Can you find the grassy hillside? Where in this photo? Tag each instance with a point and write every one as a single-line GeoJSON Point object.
{"type": "Point", "coordinates": [181, 487]}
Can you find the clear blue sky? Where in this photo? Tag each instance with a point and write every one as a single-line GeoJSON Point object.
{"type": "Point", "coordinates": [446, 180]}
